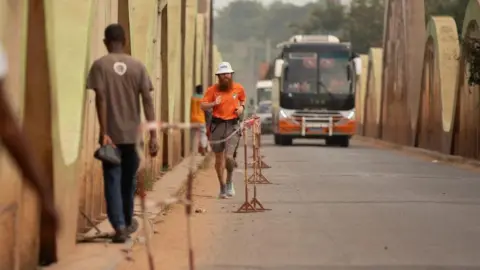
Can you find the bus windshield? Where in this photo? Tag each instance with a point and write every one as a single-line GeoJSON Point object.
{"type": "Point", "coordinates": [324, 72]}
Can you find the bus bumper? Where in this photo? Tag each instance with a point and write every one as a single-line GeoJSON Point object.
{"type": "Point", "coordinates": [292, 130]}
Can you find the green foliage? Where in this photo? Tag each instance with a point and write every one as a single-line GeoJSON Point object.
{"type": "Point", "coordinates": [365, 24]}
{"type": "Point", "coordinates": [326, 18]}
{"type": "Point", "coordinates": [240, 20]}
{"type": "Point", "coordinates": [243, 27]}
{"type": "Point", "coordinates": [454, 8]}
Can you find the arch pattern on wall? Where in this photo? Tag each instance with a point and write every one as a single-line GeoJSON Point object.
{"type": "Point", "coordinates": [373, 93]}
{"type": "Point", "coordinates": [434, 130]}
{"type": "Point", "coordinates": [466, 140]}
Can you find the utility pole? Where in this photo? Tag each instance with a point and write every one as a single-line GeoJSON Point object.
{"type": "Point", "coordinates": [210, 45]}
{"type": "Point", "coordinates": [268, 50]}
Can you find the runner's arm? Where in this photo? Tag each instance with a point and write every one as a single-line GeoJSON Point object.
{"type": "Point", "coordinates": [208, 101]}
{"type": "Point", "coordinates": [146, 89]}
{"type": "Point", "coordinates": [242, 97]}
{"type": "Point", "coordinates": [241, 101]}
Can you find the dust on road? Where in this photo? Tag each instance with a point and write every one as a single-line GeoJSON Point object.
{"type": "Point", "coordinates": [169, 242]}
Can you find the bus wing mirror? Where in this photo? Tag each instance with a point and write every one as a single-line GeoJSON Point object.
{"type": "Point", "coordinates": [357, 62]}
{"type": "Point", "coordinates": [279, 67]}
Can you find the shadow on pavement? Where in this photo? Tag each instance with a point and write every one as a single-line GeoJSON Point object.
{"type": "Point", "coordinates": [339, 267]}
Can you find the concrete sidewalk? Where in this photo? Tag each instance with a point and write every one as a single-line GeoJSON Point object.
{"type": "Point", "coordinates": [103, 255]}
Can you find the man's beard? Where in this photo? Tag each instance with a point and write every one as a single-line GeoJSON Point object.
{"type": "Point", "coordinates": [224, 84]}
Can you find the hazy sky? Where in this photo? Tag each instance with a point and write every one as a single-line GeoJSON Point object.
{"type": "Point", "coordinates": [222, 3]}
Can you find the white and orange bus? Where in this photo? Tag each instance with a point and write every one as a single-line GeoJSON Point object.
{"type": "Point", "coordinates": [313, 93]}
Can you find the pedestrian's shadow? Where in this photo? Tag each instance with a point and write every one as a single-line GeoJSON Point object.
{"type": "Point", "coordinates": [103, 237]}
{"type": "Point", "coordinates": [272, 145]}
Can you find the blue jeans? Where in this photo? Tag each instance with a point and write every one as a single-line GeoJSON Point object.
{"type": "Point", "coordinates": [120, 183]}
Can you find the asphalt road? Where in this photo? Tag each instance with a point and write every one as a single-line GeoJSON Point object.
{"type": "Point", "coordinates": [351, 208]}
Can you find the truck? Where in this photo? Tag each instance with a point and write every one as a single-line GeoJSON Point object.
{"type": "Point", "coordinates": [313, 90]}
{"type": "Point", "coordinates": [263, 91]}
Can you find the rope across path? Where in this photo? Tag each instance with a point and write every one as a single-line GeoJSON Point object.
{"type": "Point", "coordinates": [163, 127]}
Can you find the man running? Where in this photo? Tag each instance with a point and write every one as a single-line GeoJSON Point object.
{"type": "Point", "coordinates": [227, 101]}
{"type": "Point", "coordinates": [119, 81]}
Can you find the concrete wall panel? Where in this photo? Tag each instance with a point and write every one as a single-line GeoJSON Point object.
{"type": "Point", "coordinates": [174, 75]}
{"type": "Point", "coordinates": [68, 62]}
{"type": "Point", "coordinates": [12, 208]}
{"type": "Point", "coordinates": [466, 140]}
{"type": "Point", "coordinates": [200, 49]}
{"type": "Point", "coordinates": [360, 94]}
{"type": "Point", "coordinates": [373, 94]}
{"type": "Point", "coordinates": [439, 85]}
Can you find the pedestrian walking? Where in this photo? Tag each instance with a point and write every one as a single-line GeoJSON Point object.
{"type": "Point", "coordinates": [119, 82]}
{"type": "Point", "coordinates": [198, 116]}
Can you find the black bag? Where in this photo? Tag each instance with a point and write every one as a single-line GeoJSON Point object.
{"type": "Point", "coordinates": [109, 154]}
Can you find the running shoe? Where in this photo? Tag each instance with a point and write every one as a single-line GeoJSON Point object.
{"type": "Point", "coordinates": [230, 189]}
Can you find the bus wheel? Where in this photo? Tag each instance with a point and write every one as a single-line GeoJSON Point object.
{"type": "Point", "coordinates": [344, 141]}
{"type": "Point", "coordinates": [281, 140]}
{"type": "Point", "coordinates": [276, 139]}
{"type": "Point", "coordinates": [287, 141]}
{"type": "Point", "coordinates": [330, 141]}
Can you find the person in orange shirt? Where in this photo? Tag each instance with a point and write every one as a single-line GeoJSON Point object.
{"type": "Point", "coordinates": [197, 116]}
{"type": "Point", "coordinates": [227, 101]}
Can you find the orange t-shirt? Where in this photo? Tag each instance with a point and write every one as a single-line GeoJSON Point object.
{"type": "Point", "coordinates": [231, 100]}
{"type": "Point", "coordinates": [197, 115]}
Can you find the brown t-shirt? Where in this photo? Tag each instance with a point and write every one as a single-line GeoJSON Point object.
{"type": "Point", "coordinates": [122, 79]}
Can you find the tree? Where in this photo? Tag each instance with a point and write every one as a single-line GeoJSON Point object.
{"type": "Point", "coordinates": [454, 8]}
{"type": "Point", "coordinates": [362, 24]}
{"type": "Point", "coordinates": [324, 18]}
{"type": "Point", "coordinates": [240, 20]}
{"type": "Point", "coordinates": [365, 24]}
{"type": "Point", "coordinates": [243, 27]}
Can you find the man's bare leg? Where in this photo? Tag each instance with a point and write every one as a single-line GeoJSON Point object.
{"type": "Point", "coordinates": [220, 169]}
{"type": "Point", "coordinates": [230, 164]}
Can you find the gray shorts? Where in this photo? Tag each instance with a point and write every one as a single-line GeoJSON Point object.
{"type": "Point", "coordinates": [222, 130]}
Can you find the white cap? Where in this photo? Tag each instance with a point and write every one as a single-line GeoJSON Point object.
{"type": "Point", "coordinates": [224, 68]}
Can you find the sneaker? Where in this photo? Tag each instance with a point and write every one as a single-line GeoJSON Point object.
{"type": "Point", "coordinates": [222, 195]}
{"type": "Point", "coordinates": [121, 236]}
{"type": "Point", "coordinates": [133, 227]}
{"type": "Point", "coordinates": [230, 189]}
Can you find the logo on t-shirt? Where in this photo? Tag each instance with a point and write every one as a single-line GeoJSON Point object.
{"type": "Point", "coordinates": [120, 68]}
{"type": "Point", "coordinates": [234, 95]}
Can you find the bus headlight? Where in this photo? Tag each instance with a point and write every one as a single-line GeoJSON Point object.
{"type": "Point", "coordinates": [285, 114]}
{"type": "Point", "coordinates": [350, 115]}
